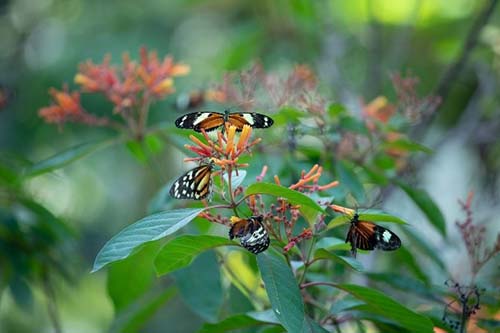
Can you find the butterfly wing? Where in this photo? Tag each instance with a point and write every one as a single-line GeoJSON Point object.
{"type": "Point", "coordinates": [200, 120]}
{"type": "Point", "coordinates": [365, 235]}
{"type": "Point", "coordinates": [386, 240]}
{"type": "Point", "coordinates": [252, 233]}
{"type": "Point", "coordinates": [195, 184]}
{"type": "Point", "coordinates": [253, 119]}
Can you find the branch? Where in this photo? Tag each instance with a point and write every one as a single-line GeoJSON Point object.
{"type": "Point", "coordinates": [449, 77]}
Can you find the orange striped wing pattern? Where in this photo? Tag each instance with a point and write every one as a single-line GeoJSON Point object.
{"type": "Point", "coordinates": [210, 121]}
{"type": "Point", "coordinates": [195, 184]}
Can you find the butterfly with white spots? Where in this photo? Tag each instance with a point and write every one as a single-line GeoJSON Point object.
{"type": "Point", "coordinates": [251, 232]}
{"type": "Point", "coordinates": [209, 121]}
{"type": "Point", "coordinates": [196, 184]}
{"type": "Point", "coordinates": [365, 235]}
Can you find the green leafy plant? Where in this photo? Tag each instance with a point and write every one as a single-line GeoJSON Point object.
{"type": "Point", "coordinates": [303, 282]}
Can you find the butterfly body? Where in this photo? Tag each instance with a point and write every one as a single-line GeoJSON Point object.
{"type": "Point", "coordinates": [365, 235]}
{"type": "Point", "coordinates": [195, 184]}
{"type": "Point", "coordinates": [252, 234]}
{"type": "Point", "coordinates": [209, 121]}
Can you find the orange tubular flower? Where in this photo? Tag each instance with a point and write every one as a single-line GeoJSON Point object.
{"type": "Point", "coordinates": [312, 176]}
{"type": "Point", "coordinates": [87, 83]}
{"type": "Point", "coordinates": [69, 103]}
{"type": "Point", "coordinates": [66, 106]}
{"type": "Point", "coordinates": [343, 210]}
{"type": "Point", "coordinates": [156, 75]}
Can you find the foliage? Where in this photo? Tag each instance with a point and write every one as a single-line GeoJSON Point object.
{"type": "Point", "coordinates": [323, 160]}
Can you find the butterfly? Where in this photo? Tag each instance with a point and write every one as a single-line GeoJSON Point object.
{"type": "Point", "coordinates": [209, 121]}
{"type": "Point", "coordinates": [251, 232]}
{"type": "Point", "coordinates": [365, 235]}
{"type": "Point", "coordinates": [195, 184]}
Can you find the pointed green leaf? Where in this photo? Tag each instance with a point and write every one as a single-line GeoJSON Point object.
{"type": "Point", "coordinates": [283, 292]}
{"type": "Point", "coordinates": [241, 321]}
{"type": "Point", "coordinates": [372, 217]}
{"type": "Point", "coordinates": [407, 145]}
{"type": "Point", "coordinates": [381, 304]}
{"type": "Point", "coordinates": [349, 180]}
{"type": "Point", "coordinates": [181, 251]}
{"type": "Point", "coordinates": [148, 229]}
{"type": "Point", "coordinates": [294, 197]}
{"type": "Point", "coordinates": [236, 179]}
{"type": "Point", "coordinates": [422, 199]}
{"type": "Point", "coordinates": [139, 270]}
{"type": "Point", "coordinates": [351, 262]}
{"type": "Point", "coordinates": [65, 157]}
{"type": "Point", "coordinates": [204, 296]}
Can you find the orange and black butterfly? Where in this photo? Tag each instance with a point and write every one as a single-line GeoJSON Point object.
{"type": "Point", "coordinates": [209, 121]}
{"type": "Point", "coordinates": [195, 184]}
{"type": "Point", "coordinates": [251, 232]}
{"type": "Point", "coordinates": [365, 235]}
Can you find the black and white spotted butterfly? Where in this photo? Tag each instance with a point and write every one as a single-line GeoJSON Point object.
{"type": "Point", "coordinates": [365, 235]}
{"type": "Point", "coordinates": [251, 232]}
{"type": "Point", "coordinates": [209, 121]}
{"type": "Point", "coordinates": [195, 184]}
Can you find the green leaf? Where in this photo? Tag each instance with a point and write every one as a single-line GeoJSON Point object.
{"type": "Point", "coordinates": [148, 229]}
{"type": "Point", "coordinates": [283, 292]}
{"type": "Point", "coordinates": [154, 143]}
{"type": "Point", "coordinates": [203, 295]}
{"type": "Point", "coordinates": [139, 270]}
{"type": "Point", "coordinates": [65, 157]}
{"type": "Point", "coordinates": [346, 303]}
{"type": "Point", "coordinates": [406, 145]}
{"type": "Point", "coordinates": [352, 124]}
{"type": "Point", "coordinates": [241, 321]}
{"type": "Point", "coordinates": [372, 217]}
{"type": "Point", "coordinates": [408, 284]}
{"type": "Point", "coordinates": [383, 305]}
{"type": "Point", "coordinates": [381, 217]}
{"type": "Point", "coordinates": [349, 181]}
{"type": "Point", "coordinates": [181, 251]}
{"type": "Point", "coordinates": [406, 257]}
{"type": "Point", "coordinates": [350, 262]}
{"type": "Point", "coordinates": [292, 196]}
{"type": "Point", "coordinates": [236, 179]}
{"type": "Point", "coordinates": [427, 206]}
{"type": "Point", "coordinates": [332, 243]}
{"type": "Point", "coordinates": [288, 114]}
{"type": "Point", "coordinates": [429, 251]}
{"type": "Point", "coordinates": [136, 315]}
{"type": "Point", "coordinates": [137, 150]}
{"type": "Point", "coordinates": [21, 293]}
{"type": "Point", "coordinates": [336, 109]}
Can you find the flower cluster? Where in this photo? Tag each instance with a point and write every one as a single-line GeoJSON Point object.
{"type": "Point", "coordinates": [67, 107]}
{"type": "Point", "coordinates": [474, 237]}
{"type": "Point", "coordinates": [298, 88]}
{"type": "Point", "coordinates": [285, 213]}
{"type": "Point", "coordinates": [131, 88]}
{"type": "Point", "coordinates": [411, 105]}
{"type": "Point", "coordinates": [226, 149]}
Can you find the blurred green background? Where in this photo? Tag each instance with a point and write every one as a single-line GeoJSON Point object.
{"type": "Point", "coordinates": [353, 45]}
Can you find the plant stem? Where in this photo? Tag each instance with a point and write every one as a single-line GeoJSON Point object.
{"type": "Point", "coordinates": [319, 283]}
{"type": "Point", "coordinates": [307, 262]}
